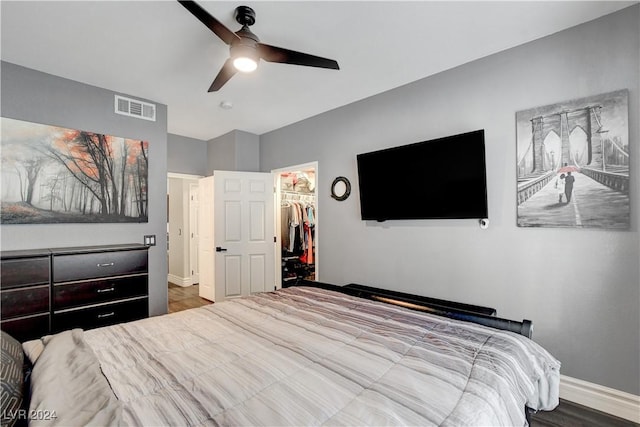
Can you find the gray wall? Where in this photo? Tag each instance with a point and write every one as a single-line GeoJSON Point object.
{"type": "Point", "coordinates": [247, 152]}
{"type": "Point", "coordinates": [186, 155]}
{"type": "Point", "coordinates": [579, 286]}
{"type": "Point", "coordinates": [234, 151]}
{"type": "Point", "coordinates": [42, 98]}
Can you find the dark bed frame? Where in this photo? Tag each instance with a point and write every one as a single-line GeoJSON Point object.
{"type": "Point", "coordinates": [455, 310]}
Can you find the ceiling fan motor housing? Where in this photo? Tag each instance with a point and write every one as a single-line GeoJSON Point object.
{"type": "Point", "coordinates": [245, 15]}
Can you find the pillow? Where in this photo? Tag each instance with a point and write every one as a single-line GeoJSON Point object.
{"type": "Point", "coordinates": [12, 380]}
{"type": "Point", "coordinates": [68, 387]}
{"type": "Point", "coordinates": [33, 349]}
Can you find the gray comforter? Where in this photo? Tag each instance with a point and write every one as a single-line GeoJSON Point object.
{"type": "Point", "coordinates": [307, 356]}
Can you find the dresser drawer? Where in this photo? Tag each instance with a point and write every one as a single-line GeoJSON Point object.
{"type": "Point", "coordinates": [24, 301]}
{"type": "Point", "coordinates": [101, 315]}
{"type": "Point", "coordinates": [24, 272]}
{"type": "Point", "coordinates": [73, 267]}
{"type": "Point", "coordinates": [76, 294]}
{"type": "Point", "coordinates": [27, 328]}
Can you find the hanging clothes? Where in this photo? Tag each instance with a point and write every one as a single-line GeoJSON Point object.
{"type": "Point", "coordinates": [285, 220]}
{"type": "Point", "coordinates": [297, 228]}
{"type": "Point", "coordinates": [298, 218]}
{"type": "Point", "coordinates": [312, 224]}
{"type": "Point", "coordinates": [294, 223]}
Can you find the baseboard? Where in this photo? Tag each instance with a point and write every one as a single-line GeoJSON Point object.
{"type": "Point", "coordinates": [180, 281]}
{"type": "Point", "coordinates": [614, 402]}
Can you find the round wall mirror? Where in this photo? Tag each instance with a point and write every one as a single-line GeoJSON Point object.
{"type": "Point", "coordinates": [340, 188]}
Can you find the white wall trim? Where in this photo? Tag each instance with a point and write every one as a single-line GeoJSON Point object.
{"type": "Point", "coordinates": [615, 402]}
{"type": "Point", "coordinates": [180, 281]}
{"type": "Point", "coordinates": [182, 175]}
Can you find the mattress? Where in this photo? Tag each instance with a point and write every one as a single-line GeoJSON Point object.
{"type": "Point", "coordinates": [296, 356]}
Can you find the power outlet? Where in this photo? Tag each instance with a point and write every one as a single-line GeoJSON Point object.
{"type": "Point", "coordinates": [150, 240]}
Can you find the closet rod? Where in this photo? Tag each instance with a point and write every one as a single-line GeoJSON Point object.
{"type": "Point", "coordinates": [292, 195]}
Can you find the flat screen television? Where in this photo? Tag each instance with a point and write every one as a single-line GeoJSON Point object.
{"type": "Point", "coordinates": [437, 179]}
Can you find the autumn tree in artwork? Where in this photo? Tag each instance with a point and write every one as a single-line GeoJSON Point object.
{"type": "Point", "coordinates": [110, 169]}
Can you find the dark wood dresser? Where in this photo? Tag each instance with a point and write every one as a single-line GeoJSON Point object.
{"type": "Point", "coordinates": [98, 286]}
{"type": "Point", "coordinates": [25, 309]}
{"type": "Point", "coordinates": [48, 291]}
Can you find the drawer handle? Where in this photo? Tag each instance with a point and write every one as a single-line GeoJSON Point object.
{"type": "Point", "coordinates": [102, 316]}
{"type": "Point", "coordinates": [111, 289]}
{"type": "Point", "coordinates": [107, 264]}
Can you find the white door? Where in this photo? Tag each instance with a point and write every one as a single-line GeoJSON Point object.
{"type": "Point", "coordinates": [194, 236]}
{"type": "Point", "coordinates": [206, 251]}
{"type": "Point", "coordinates": [244, 230]}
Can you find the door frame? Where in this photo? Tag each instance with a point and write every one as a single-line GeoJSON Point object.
{"type": "Point", "coordinates": [206, 255]}
{"type": "Point", "coordinates": [194, 206]}
{"type": "Point", "coordinates": [277, 200]}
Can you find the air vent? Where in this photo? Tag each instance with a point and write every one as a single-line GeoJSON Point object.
{"type": "Point", "coordinates": [134, 108]}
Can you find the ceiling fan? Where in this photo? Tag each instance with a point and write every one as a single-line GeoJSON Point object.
{"type": "Point", "coordinates": [245, 47]}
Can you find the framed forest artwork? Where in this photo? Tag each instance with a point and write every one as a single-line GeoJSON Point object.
{"type": "Point", "coordinates": [52, 174]}
{"type": "Point", "coordinates": [573, 163]}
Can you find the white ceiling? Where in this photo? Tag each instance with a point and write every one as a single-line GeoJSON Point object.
{"type": "Point", "coordinates": [158, 51]}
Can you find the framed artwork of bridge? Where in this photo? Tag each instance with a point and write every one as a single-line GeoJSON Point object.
{"type": "Point", "coordinates": [52, 174]}
{"type": "Point", "coordinates": [573, 163]}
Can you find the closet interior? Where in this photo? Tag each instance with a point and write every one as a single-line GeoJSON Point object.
{"type": "Point", "coordinates": [298, 219]}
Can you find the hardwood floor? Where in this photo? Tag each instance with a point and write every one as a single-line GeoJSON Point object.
{"type": "Point", "coordinates": [567, 414]}
{"type": "Point", "coordinates": [183, 298]}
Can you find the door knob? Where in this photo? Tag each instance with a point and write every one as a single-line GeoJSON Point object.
{"type": "Point", "coordinates": [220, 249]}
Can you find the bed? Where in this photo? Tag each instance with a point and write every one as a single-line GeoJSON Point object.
{"type": "Point", "coordinates": [305, 355]}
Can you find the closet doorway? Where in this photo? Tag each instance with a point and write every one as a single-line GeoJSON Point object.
{"type": "Point", "coordinates": [297, 223]}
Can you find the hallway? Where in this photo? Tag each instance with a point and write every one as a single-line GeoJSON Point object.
{"type": "Point", "coordinates": [183, 298]}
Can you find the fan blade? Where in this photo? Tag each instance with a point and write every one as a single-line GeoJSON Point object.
{"type": "Point", "coordinates": [286, 56]}
{"type": "Point", "coordinates": [226, 72]}
{"type": "Point", "coordinates": [212, 23]}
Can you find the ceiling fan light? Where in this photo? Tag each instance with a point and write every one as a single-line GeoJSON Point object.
{"type": "Point", "coordinates": [245, 64]}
